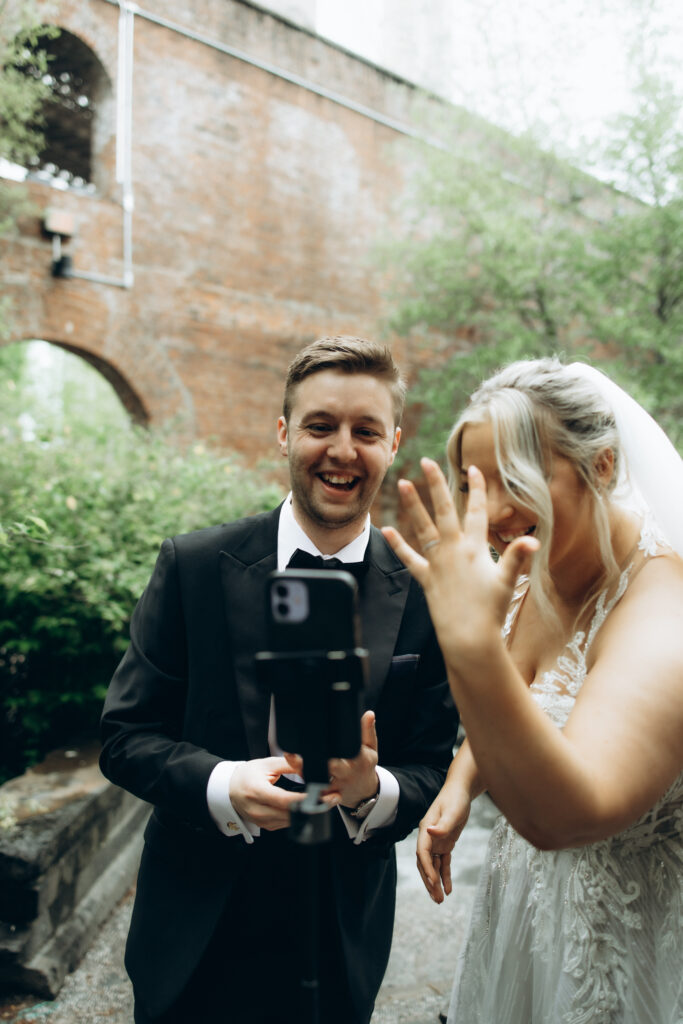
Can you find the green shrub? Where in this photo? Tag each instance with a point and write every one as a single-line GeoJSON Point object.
{"type": "Point", "coordinates": [81, 522]}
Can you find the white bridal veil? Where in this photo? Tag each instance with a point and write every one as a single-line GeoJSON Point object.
{"type": "Point", "coordinates": [651, 476]}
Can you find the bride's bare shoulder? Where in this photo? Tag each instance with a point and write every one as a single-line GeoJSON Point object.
{"type": "Point", "coordinates": [662, 571]}
{"type": "Point", "coordinates": [649, 614]}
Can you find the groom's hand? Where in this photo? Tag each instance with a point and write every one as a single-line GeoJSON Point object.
{"type": "Point", "coordinates": [255, 797]}
{"type": "Point", "coordinates": [351, 779]}
{"type": "Point", "coordinates": [355, 779]}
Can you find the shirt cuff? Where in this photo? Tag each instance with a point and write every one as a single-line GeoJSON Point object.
{"type": "Point", "coordinates": [221, 810]}
{"type": "Point", "coordinates": [382, 814]}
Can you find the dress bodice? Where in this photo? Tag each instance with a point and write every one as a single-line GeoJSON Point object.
{"type": "Point", "coordinates": [556, 690]}
{"type": "Point", "coordinates": [584, 935]}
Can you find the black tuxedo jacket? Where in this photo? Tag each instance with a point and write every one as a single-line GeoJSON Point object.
{"type": "Point", "coordinates": [185, 697]}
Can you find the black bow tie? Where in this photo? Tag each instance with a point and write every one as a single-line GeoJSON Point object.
{"type": "Point", "coordinates": [303, 560]}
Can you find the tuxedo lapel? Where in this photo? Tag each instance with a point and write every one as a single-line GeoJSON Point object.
{"type": "Point", "coordinates": [244, 571]}
{"type": "Point", "coordinates": [382, 600]}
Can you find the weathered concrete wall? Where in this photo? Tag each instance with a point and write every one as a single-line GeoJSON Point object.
{"type": "Point", "coordinates": [70, 844]}
{"type": "Point", "coordinates": [257, 204]}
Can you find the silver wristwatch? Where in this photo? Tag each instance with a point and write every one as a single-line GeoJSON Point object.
{"type": "Point", "coordinates": [361, 810]}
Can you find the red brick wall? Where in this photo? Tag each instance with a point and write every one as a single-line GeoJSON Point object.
{"type": "Point", "coordinates": [257, 204]}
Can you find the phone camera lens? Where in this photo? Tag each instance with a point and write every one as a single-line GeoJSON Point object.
{"type": "Point", "coordinates": [282, 609]}
{"type": "Point", "coordinates": [281, 590]}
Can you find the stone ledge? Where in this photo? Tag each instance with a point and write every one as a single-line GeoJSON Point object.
{"type": "Point", "coordinates": [70, 844]}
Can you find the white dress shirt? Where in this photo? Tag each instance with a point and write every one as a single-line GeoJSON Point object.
{"type": "Point", "coordinates": [383, 813]}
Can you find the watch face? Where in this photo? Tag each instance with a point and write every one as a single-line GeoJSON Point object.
{"type": "Point", "coordinates": [364, 807]}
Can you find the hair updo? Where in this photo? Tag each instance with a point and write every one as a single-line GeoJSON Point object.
{"type": "Point", "coordinates": [539, 409]}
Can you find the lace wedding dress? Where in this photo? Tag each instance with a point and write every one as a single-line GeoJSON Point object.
{"type": "Point", "coordinates": [591, 935]}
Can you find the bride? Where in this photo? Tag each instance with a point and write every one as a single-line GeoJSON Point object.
{"type": "Point", "coordinates": [565, 658]}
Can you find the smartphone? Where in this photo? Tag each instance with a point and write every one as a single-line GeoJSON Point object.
{"type": "Point", "coordinates": [312, 609]}
{"type": "Point", "coordinates": [315, 665]}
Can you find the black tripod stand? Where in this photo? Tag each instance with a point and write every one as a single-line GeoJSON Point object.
{"type": "Point", "coordinates": [310, 827]}
{"type": "Point", "coordinates": [317, 706]}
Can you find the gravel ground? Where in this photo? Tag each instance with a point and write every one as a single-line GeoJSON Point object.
{"type": "Point", "coordinates": [416, 987]}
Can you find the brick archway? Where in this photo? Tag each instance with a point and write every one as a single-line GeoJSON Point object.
{"type": "Point", "coordinates": [144, 382]}
{"type": "Point", "coordinates": [127, 395]}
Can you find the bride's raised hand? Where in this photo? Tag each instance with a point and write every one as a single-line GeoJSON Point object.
{"type": "Point", "coordinates": [467, 592]}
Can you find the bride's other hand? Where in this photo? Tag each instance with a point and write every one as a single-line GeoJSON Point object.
{"type": "Point", "coordinates": [467, 592]}
{"type": "Point", "coordinates": [438, 833]}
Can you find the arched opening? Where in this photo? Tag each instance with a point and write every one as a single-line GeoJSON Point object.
{"type": "Point", "coordinates": [51, 390]}
{"type": "Point", "coordinates": [77, 115]}
{"type": "Point", "coordinates": [129, 399]}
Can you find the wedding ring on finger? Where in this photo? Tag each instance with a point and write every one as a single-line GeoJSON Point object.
{"type": "Point", "coordinates": [430, 544]}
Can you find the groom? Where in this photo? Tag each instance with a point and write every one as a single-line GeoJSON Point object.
{"type": "Point", "coordinates": [216, 932]}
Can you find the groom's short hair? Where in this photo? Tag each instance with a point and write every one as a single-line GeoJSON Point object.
{"type": "Point", "coordinates": [348, 355]}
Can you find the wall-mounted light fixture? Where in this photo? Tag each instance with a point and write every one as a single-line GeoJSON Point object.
{"type": "Point", "coordinates": [59, 226]}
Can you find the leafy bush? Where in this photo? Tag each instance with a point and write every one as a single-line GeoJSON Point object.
{"type": "Point", "coordinates": [80, 526]}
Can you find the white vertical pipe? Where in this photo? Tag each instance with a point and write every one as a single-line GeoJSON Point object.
{"type": "Point", "coordinates": [128, 16]}
{"type": "Point", "coordinates": [121, 84]}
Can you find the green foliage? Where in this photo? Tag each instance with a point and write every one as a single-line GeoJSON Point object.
{"type": "Point", "coordinates": [490, 252]}
{"type": "Point", "coordinates": [513, 253]}
{"type": "Point", "coordinates": [637, 253]}
{"type": "Point", "coordinates": [23, 65]}
{"type": "Point", "coordinates": [80, 526]}
{"type": "Point", "coordinates": [23, 94]}
{"type": "Point", "coordinates": [490, 264]}
{"type": "Point", "coordinates": [12, 362]}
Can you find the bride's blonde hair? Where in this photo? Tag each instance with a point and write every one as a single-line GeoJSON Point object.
{"type": "Point", "coordinates": [539, 409]}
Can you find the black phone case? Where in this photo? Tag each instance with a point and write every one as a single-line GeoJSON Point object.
{"type": "Point", "coordinates": [331, 620]}
{"type": "Point", "coordinates": [315, 666]}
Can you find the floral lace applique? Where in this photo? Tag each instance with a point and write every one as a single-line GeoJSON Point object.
{"type": "Point", "coordinates": [520, 590]}
{"type": "Point", "coordinates": [557, 689]}
{"type": "Point", "coordinates": [652, 541]}
{"type": "Point", "coordinates": [593, 951]}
